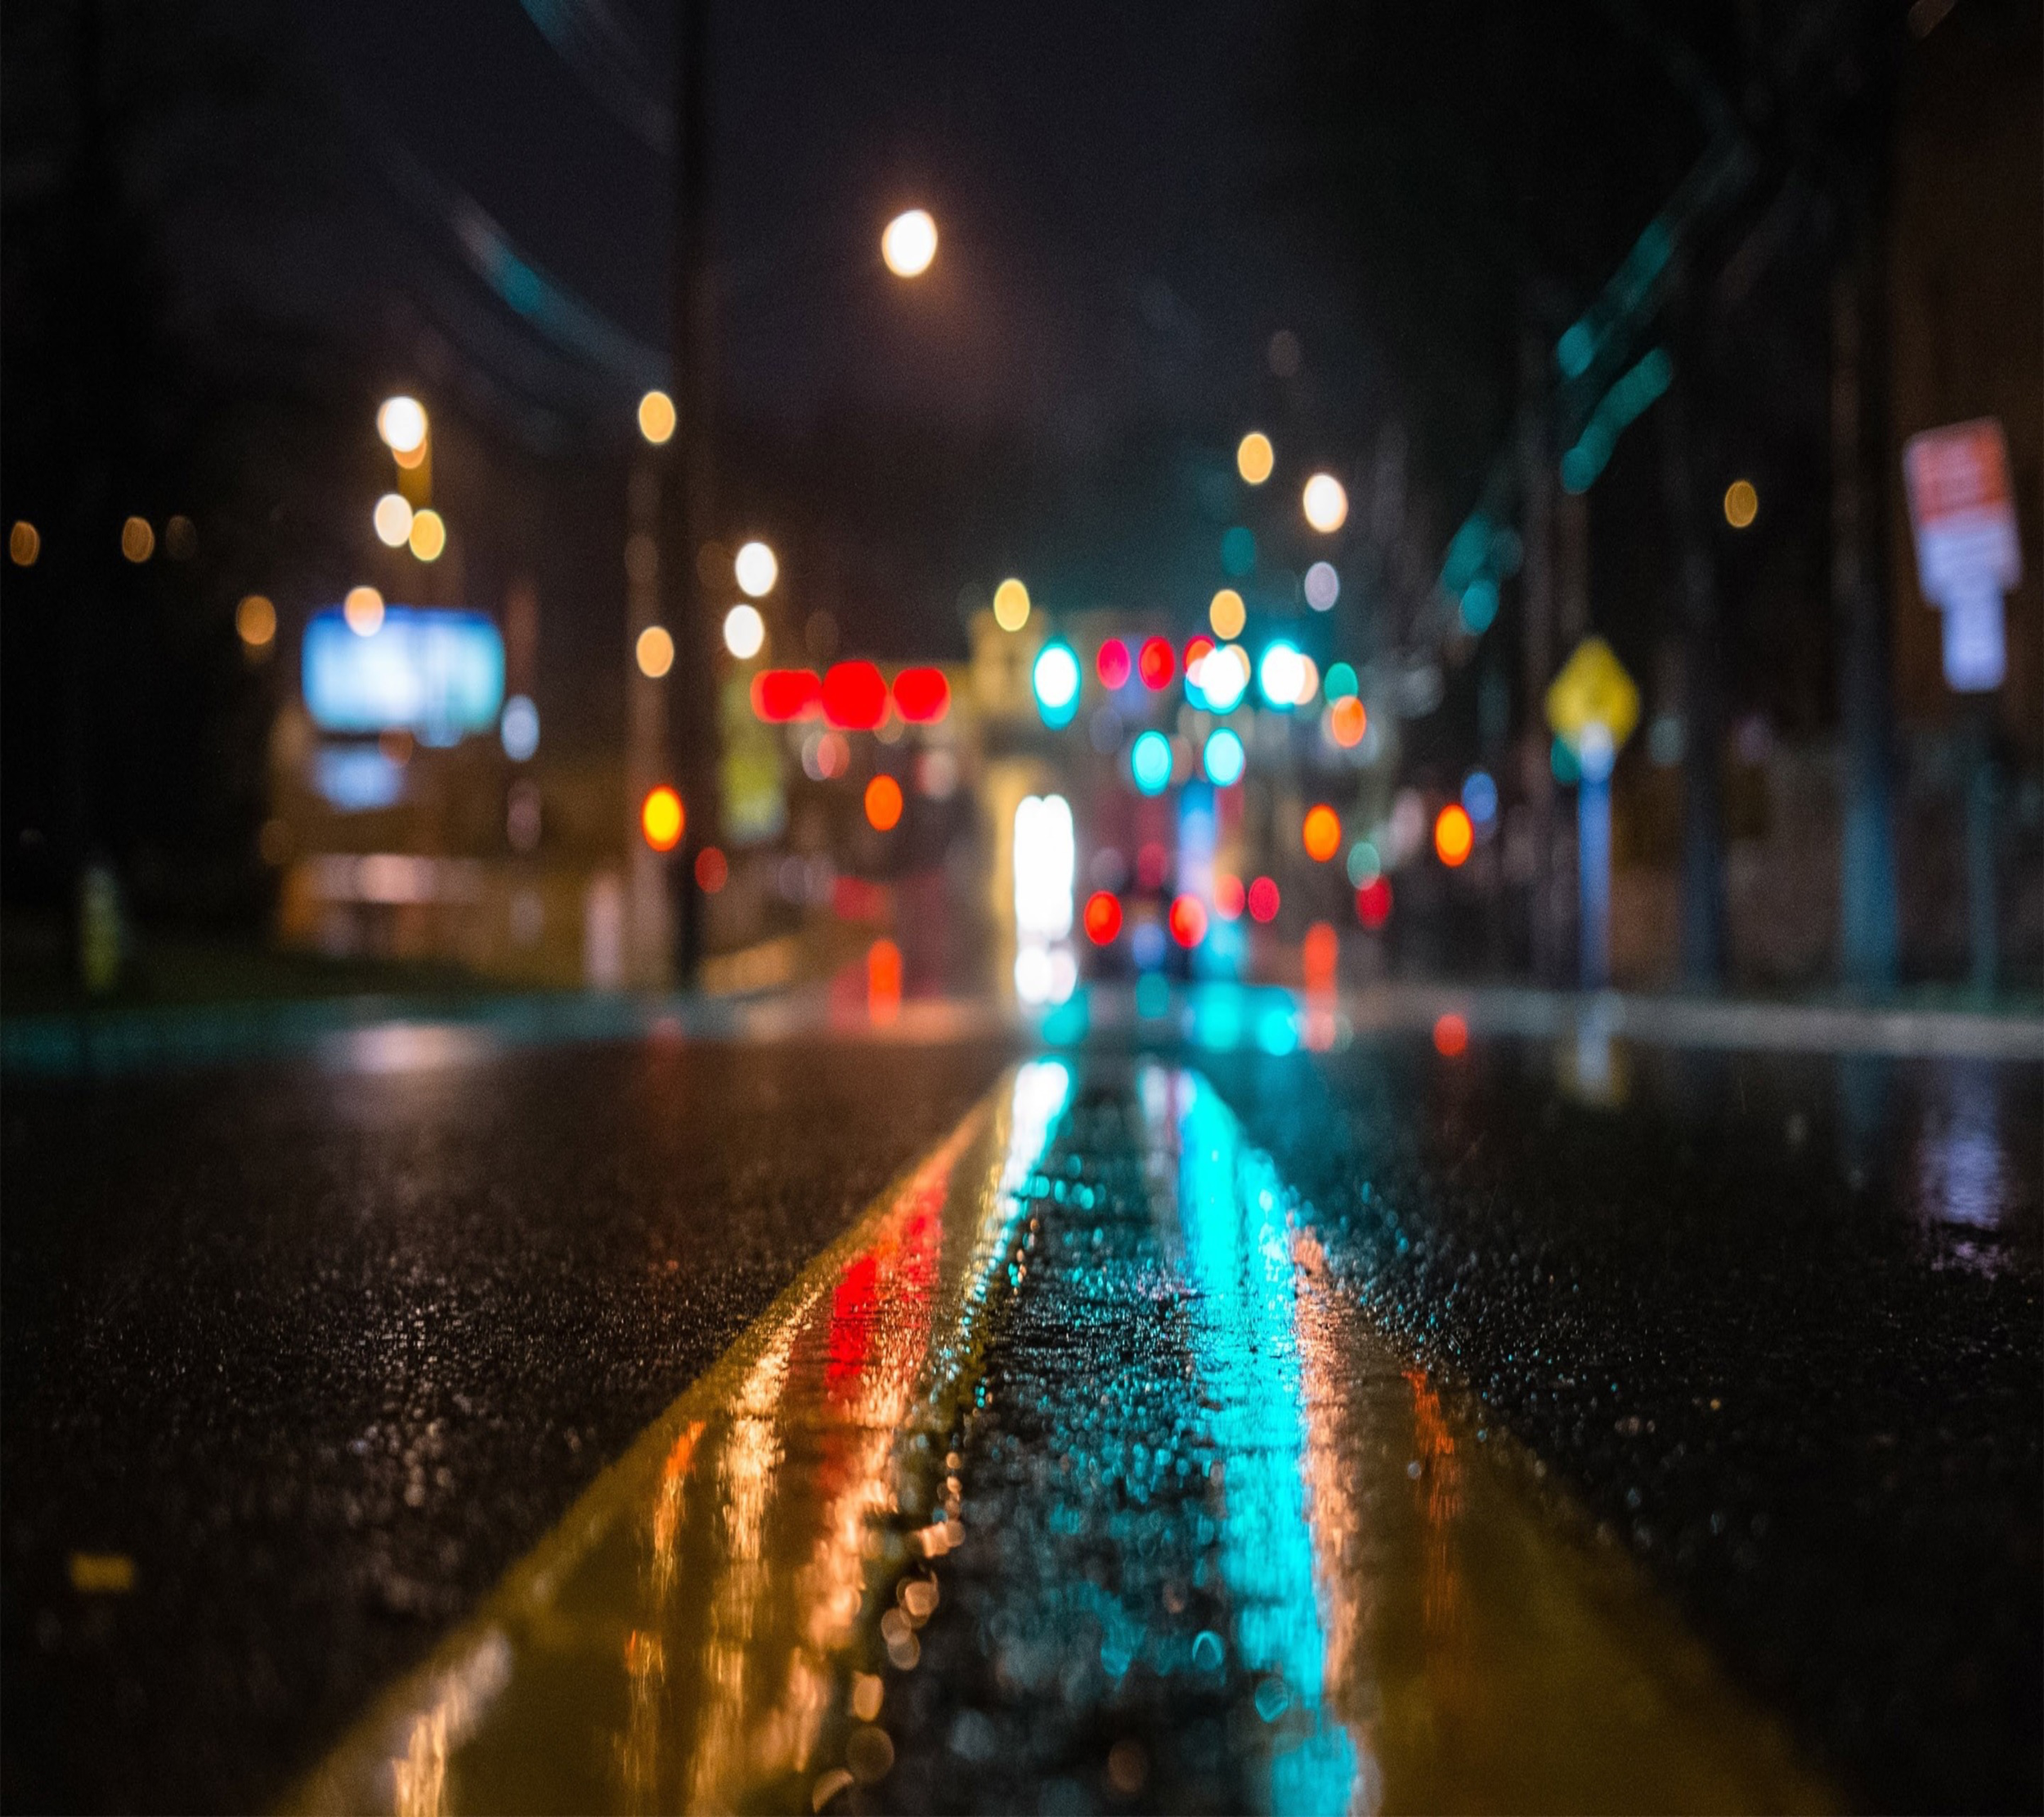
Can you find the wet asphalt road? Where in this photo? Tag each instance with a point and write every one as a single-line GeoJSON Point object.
{"type": "Point", "coordinates": [324, 1353]}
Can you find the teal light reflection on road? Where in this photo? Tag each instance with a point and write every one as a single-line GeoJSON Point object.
{"type": "Point", "coordinates": [1232, 1206]}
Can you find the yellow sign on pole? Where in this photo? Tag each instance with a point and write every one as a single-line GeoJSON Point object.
{"type": "Point", "coordinates": [1592, 689]}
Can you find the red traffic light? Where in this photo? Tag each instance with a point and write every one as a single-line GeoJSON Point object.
{"type": "Point", "coordinates": [921, 696]}
{"type": "Point", "coordinates": [1157, 662]}
{"type": "Point", "coordinates": [854, 696]}
{"type": "Point", "coordinates": [779, 695]}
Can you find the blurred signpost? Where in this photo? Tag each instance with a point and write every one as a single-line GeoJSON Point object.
{"type": "Point", "coordinates": [1593, 706]}
{"type": "Point", "coordinates": [1963, 515]}
{"type": "Point", "coordinates": [1967, 555]}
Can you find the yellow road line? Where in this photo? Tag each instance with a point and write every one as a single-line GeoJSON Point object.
{"type": "Point", "coordinates": [673, 1642]}
{"type": "Point", "coordinates": [703, 1629]}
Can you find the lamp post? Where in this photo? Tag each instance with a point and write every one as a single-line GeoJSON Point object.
{"type": "Point", "coordinates": [649, 652]}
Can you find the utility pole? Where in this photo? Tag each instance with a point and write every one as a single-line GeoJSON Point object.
{"type": "Point", "coordinates": [1537, 477]}
{"type": "Point", "coordinates": [1868, 935]}
{"type": "Point", "coordinates": [1703, 902]}
{"type": "Point", "coordinates": [650, 953]}
{"type": "Point", "coordinates": [689, 504]}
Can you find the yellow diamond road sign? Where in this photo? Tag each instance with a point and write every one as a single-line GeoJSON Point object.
{"type": "Point", "coordinates": [1592, 689]}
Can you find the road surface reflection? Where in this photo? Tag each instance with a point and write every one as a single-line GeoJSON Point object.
{"type": "Point", "coordinates": [1076, 1477]}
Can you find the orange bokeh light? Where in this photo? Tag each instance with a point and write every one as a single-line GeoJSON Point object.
{"type": "Point", "coordinates": [1453, 837]}
{"type": "Point", "coordinates": [1319, 955]}
{"type": "Point", "coordinates": [1229, 897]}
{"type": "Point", "coordinates": [1451, 1035]}
{"type": "Point", "coordinates": [883, 803]}
{"type": "Point", "coordinates": [1188, 921]}
{"type": "Point", "coordinates": [1348, 720]}
{"type": "Point", "coordinates": [661, 817]}
{"type": "Point", "coordinates": [1322, 833]}
{"type": "Point", "coordinates": [883, 981]}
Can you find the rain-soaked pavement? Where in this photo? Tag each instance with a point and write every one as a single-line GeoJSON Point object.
{"type": "Point", "coordinates": [1601, 1427]}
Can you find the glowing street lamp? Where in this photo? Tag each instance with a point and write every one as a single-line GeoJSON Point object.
{"type": "Point", "coordinates": [744, 632]}
{"type": "Point", "coordinates": [756, 569]}
{"type": "Point", "coordinates": [909, 243]}
{"type": "Point", "coordinates": [657, 417]}
{"type": "Point", "coordinates": [1326, 503]}
{"type": "Point", "coordinates": [401, 422]}
{"type": "Point", "coordinates": [392, 518]}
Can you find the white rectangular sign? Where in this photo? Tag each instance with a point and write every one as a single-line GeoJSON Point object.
{"type": "Point", "coordinates": [1963, 513]}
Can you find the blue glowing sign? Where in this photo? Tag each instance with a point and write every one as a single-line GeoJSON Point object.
{"type": "Point", "coordinates": [355, 779]}
{"type": "Point", "coordinates": [436, 674]}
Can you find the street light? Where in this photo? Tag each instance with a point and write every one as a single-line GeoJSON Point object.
{"type": "Point", "coordinates": [1011, 605]}
{"type": "Point", "coordinates": [655, 650]}
{"type": "Point", "coordinates": [756, 569]}
{"type": "Point", "coordinates": [392, 518]}
{"type": "Point", "coordinates": [401, 422]}
{"type": "Point", "coordinates": [1326, 504]}
{"type": "Point", "coordinates": [657, 417]}
{"type": "Point", "coordinates": [428, 535]}
{"type": "Point", "coordinates": [744, 632]}
{"type": "Point", "coordinates": [909, 243]}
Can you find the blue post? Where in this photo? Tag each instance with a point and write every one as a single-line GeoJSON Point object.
{"type": "Point", "coordinates": [1595, 753]}
{"type": "Point", "coordinates": [1593, 845]}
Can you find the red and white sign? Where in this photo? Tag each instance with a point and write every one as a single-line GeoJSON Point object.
{"type": "Point", "coordinates": [1963, 512]}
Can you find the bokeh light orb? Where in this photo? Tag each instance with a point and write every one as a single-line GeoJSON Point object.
{"type": "Point", "coordinates": [1321, 834]}
{"type": "Point", "coordinates": [392, 518]}
{"type": "Point", "coordinates": [428, 536]}
{"type": "Point", "coordinates": [883, 804]}
{"type": "Point", "coordinates": [401, 422]}
{"type": "Point", "coordinates": [1348, 720]}
{"type": "Point", "coordinates": [1224, 678]}
{"type": "Point", "coordinates": [657, 417]}
{"type": "Point", "coordinates": [1325, 502]}
{"type": "Point", "coordinates": [1453, 837]}
{"type": "Point", "coordinates": [744, 632]}
{"type": "Point", "coordinates": [1224, 759]}
{"type": "Point", "coordinates": [908, 243]}
{"type": "Point", "coordinates": [662, 818]}
{"type": "Point", "coordinates": [363, 608]}
{"type": "Point", "coordinates": [1227, 614]}
{"type": "Point", "coordinates": [756, 569]}
{"type": "Point", "coordinates": [255, 620]}
{"type": "Point", "coordinates": [654, 652]}
{"type": "Point", "coordinates": [519, 729]}
{"type": "Point", "coordinates": [1103, 917]}
{"type": "Point", "coordinates": [1011, 605]}
{"type": "Point", "coordinates": [1150, 762]}
{"type": "Point", "coordinates": [1055, 677]}
{"type": "Point", "coordinates": [1255, 459]}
